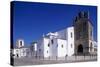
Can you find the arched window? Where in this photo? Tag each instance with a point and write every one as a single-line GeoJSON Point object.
{"type": "Point", "coordinates": [17, 55]}
{"type": "Point", "coordinates": [71, 45]}
{"type": "Point", "coordinates": [91, 46]}
{"type": "Point", "coordinates": [47, 51]}
{"type": "Point", "coordinates": [48, 45]}
{"type": "Point", "coordinates": [91, 33]}
{"type": "Point", "coordinates": [20, 43]}
{"type": "Point", "coordinates": [62, 45]}
{"type": "Point", "coordinates": [52, 41]}
{"type": "Point", "coordinates": [71, 34]}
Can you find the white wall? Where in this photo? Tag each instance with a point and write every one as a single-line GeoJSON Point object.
{"type": "Point", "coordinates": [93, 43]}
{"type": "Point", "coordinates": [62, 33]}
{"type": "Point", "coordinates": [66, 34]}
{"type": "Point", "coordinates": [40, 46]}
{"type": "Point", "coordinates": [35, 47]}
{"type": "Point", "coordinates": [15, 52]}
{"type": "Point", "coordinates": [53, 47]}
{"type": "Point", "coordinates": [62, 51]}
{"type": "Point", "coordinates": [20, 52]}
{"type": "Point", "coordinates": [64, 38]}
{"type": "Point", "coordinates": [70, 43]}
{"type": "Point", "coordinates": [47, 51]}
{"type": "Point", "coordinates": [23, 52]}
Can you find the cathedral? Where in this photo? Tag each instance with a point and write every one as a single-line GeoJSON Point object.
{"type": "Point", "coordinates": [74, 40]}
{"type": "Point", "coordinates": [83, 31]}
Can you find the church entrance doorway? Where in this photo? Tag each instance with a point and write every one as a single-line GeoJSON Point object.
{"type": "Point", "coordinates": [80, 49]}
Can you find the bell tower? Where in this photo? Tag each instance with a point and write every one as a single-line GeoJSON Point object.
{"type": "Point", "coordinates": [83, 28]}
{"type": "Point", "coordinates": [20, 43]}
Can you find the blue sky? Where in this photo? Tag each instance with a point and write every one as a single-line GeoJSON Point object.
{"type": "Point", "coordinates": [32, 20]}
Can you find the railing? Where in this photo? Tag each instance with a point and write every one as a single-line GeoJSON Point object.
{"type": "Point", "coordinates": [52, 60]}
{"type": "Point", "coordinates": [83, 57]}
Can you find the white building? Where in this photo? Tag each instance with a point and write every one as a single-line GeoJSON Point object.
{"type": "Point", "coordinates": [19, 51]}
{"type": "Point", "coordinates": [57, 44]}
{"type": "Point", "coordinates": [20, 43]}
{"type": "Point", "coordinates": [33, 49]}
{"type": "Point", "coordinates": [77, 39]}
{"type": "Point", "coordinates": [95, 46]}
{"type": "Point", "coordinates": [52, 45]}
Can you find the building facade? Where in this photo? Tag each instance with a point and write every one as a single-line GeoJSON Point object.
{"type": "Point", "coordinates": [33, 49]}
{"type": "Point", "coordinates": [57, 44]}
{"type": "Point", "coordinates": [75, 40]}
{"type": "Point", "coordinates": [19, 51]}
{"type": "Point", "coordinates": [83, 28]}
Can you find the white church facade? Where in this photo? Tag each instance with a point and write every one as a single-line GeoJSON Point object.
{"type": "Point", "coordinates": [57, 44]}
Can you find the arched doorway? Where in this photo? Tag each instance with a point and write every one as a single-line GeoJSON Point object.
{"type": "Point", "coordinates": [80, 48]}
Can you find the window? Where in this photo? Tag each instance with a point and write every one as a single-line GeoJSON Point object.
{"type": "Point", "coordinates": [57, 45]}
{"type": "Point", "coordinates": [48, 45]}
{"type": "Point", "coordinates": [91, 46]}
{"type": "Point", "coordinates": [16, 50]}
{"type": "Point", "coordinates": [47, 51]}
{"type": "Point", "coordinates": [71, 45]}
{"type": "Point", "coordinates": [86, 14]}
{"type": "Point", "coordinates": [52, 41]}
{"type": "Point", "coordinates": [20, 43]}
{"type": "Point", "coordinates": [62, 45]}
{"type": "Point", "coordinates": [91, 32]}
{"type": "Point", "coordinates": [71, 34]}
{"type": "Point", "coordinates": [24, 51]}
{"type": "Point", "coordinates": [84, 26]}
{"type": "Point", "coordinates": [17, 55]}
{"type": "Point", "coordinates": [39, 50]}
